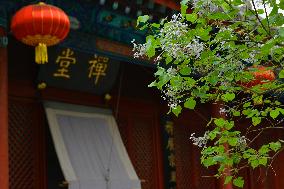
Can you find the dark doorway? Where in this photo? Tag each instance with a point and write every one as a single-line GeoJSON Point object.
{"type": "Point", "coordinates": [55, 176]}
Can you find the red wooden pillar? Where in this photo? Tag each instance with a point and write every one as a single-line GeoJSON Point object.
{"type": "Point", "coordinates": [216, 113]}
{"type": "Point", "coordinates": [4, 160]}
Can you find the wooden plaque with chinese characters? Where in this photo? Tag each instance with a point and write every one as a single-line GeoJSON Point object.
{"type": "Point", "coordinates": [70, 69]}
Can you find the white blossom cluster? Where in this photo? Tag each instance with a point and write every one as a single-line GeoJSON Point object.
{"type": "Point", "coordinates": [173, 41]}
{"type": "Point", "coordinates": [174, 29]}
{"type": "Point", "coordinates": [194, 48]}
{"type": "Point", "coordinates": [242, 143]}
{"type": "Point", "coordinates": [258, 3]}
{"type": "Point", "coordinates": [223, 111]}
{"type": "Point", "coordinates": [200, 141]}
{"type": "Point", "coordinates": [171, 35]}
{"type": "Point", "coordinates": [173, 93]}
{"type": "Point", "coordinates": [204, 6]}
{"type": "Point", "coordinates": [139, 49]}
{"type": "Point", "coordinates": [252, 59]}
{"type": "Point", "coordinates": [233, 65]}
{"type": "Point", "coordinates": [226, 29]}
{"type": "Point", "coordinates": [170, 94]}
{"type": "Point", "coordinates": [172, 71]}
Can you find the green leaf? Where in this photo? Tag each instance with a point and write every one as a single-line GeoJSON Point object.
{"type": "Point", "coordinates": [256, 120]}
{"type": "Point", "coordinates": [151, 46]}
{"type": "Point", "coordinates": [281, 74]}
{"type": "Point", "coordinates": [263, 161]}
{"type": "Point", "coordinates": [264, 150]}
{"type": "Point", "coordinates": [252, 113]}
{"type": "Point", "coordinates": [185, 70]}
{"type": "Point", "coordinates": [213, 80]}
{"type": "Point", "coordinates": [236, 113]}
{"type": "Point", "coordinates": [220, 122]}
{"type": "Point", "coordinates": [176, 110]}
{"type": "Point", "coordinates": [142, 19]}
{"type": "Point", "coordinates": [275, 146]}
{"type": "Point", "coordinates": [229, 125]}
{"type": "Point", "coordinates": [228, 179]}
{"type": "Point", "coordinates": [281, 33]}
{"type": "Point", "coordinates": [281, 4]}
{"type": "Point", "coordinates": [155, 25]}
{"type": "Point", "coordinates": [153, 84]}
{"type": "Point", "coordinates": [212, 135]}
{"type": "Point", "coordinates": [249, 153]}
{"type": "Point", "coordinates": [160, 71]}
{"type": "Point", "coordinates": [228, 97]}
{"type": "Point", "coordinates": [277, 102]}
{"type": "Point", "coordinates": [247, 104]}
{"type": "Point", "coordinates": [239, 182]}
{"type": "Point", "coordinates": [274, 113]}
{"type": "Point", "coordinates": [219, 158]}
{"type": "Point", "coordinates": [190, 81]}
{"type": "Point", "coordinates": [209, 162]}
{"type": "Point", "coordinates": [184, 2]}
{"type": "Point", "coordinates": [233, 141]}
{"type": "Point", "coordinates": [191, 17]}
{"type": "Point", "coordinates": [190, 103]}
{"type": "Point", "coordinates": [254, 163]}
{"type": "Point", "coordinates": [281, 110]}
{"type": "Point", "coordinates": [183, 9]}
{"type": "Point", "coordinates": [168, 59]}
{"type": "Point", "coordinates": [257, 100]}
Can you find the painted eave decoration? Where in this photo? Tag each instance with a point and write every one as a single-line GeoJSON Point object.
{"type": "Point", "coordinates": [40, 25]}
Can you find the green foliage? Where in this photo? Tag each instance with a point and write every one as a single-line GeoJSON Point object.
{"type": "Point", "coordinates": [176, 110]}
{"type": "Point", "coordinates": [239, 182]}
{"type": "Point", "coordinates": [142, 19]}
{"type": "Point", "coordinates": [214, 55]}
{"type": "Point", "coordinates": [190, 103]}
{"type": "Point", "coordinates": [281, 74]}
{"type": "Point", "coordinates": [228, 179]}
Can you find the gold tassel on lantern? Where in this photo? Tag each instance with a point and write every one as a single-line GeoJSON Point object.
{"type": "Point", "coordinates": [41, 54]}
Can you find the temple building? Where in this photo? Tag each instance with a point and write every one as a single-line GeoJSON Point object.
{"type": "Point", "coordinates": [87, 118]}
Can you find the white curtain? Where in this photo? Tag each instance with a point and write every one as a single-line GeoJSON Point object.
{"type": "Point", "coordinates": [90, 150]}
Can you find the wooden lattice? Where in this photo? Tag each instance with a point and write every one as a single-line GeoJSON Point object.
{"type": "Point", "coordinates": [137, 135]}
{"type": "Point", "coordinates": [143, 152]}
{"type": "Point", "coordinates": [189, 171]}
{"type": "Point", "coordinates": [22, 146]}
{"type": "Point", "coordinates": [183, 152]}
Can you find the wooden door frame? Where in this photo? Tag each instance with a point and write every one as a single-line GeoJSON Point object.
{"type": "Point", "coordinates": [26, 90]}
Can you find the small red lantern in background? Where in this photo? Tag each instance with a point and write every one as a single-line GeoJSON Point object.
{"type": "Point", "coordinates": [40, 25]}
{"type": "Point", "coordinates": [261, 75]}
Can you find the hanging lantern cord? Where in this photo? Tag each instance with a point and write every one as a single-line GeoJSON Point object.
{"type": "Point", "coordinates": [41, 54]}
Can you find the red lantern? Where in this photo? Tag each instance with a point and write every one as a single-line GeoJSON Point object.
{"type": "Point", "coordinates": [40, 25]}
{"type": "Point", "coordinates": [261, 75]}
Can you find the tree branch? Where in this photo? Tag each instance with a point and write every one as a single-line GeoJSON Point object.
{"type": "Point", "coordinates": [266, 17]}
{"type": "Point", "coordinates": [273, 158]}
{"type": "Point", "coordinates": [257, 17]}
{"type": "Point", "coordinates": [266, 128]}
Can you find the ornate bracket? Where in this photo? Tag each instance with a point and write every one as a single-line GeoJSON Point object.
{"type": "Point", "coordinates": [3, 41]}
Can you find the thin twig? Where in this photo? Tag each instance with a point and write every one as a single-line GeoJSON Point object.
{"type": "Point", "coordinates": [200, 115]}
{"type": "Point", "coordinates": [266, 173]}
{"type": "Point", "coordinates": [256, 130]}
{"type": "Point", "coordinates": [257, 17]}
{"type": "Point", "coordinates": [266, 17]}
{"type": "Point", "coordinates": [273, 158]}
{"type": "Point", "coordinates": [255, 137]}
{"type": "Point", "coordinates": [208, 176]}
{"type": "Point", "coordinates": [250, 41]}
{"type": "Point", "coordinates": [229, 4]}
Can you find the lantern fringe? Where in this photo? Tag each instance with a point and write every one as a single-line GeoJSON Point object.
{"type": "Point", "coordinates": [41, 56]}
